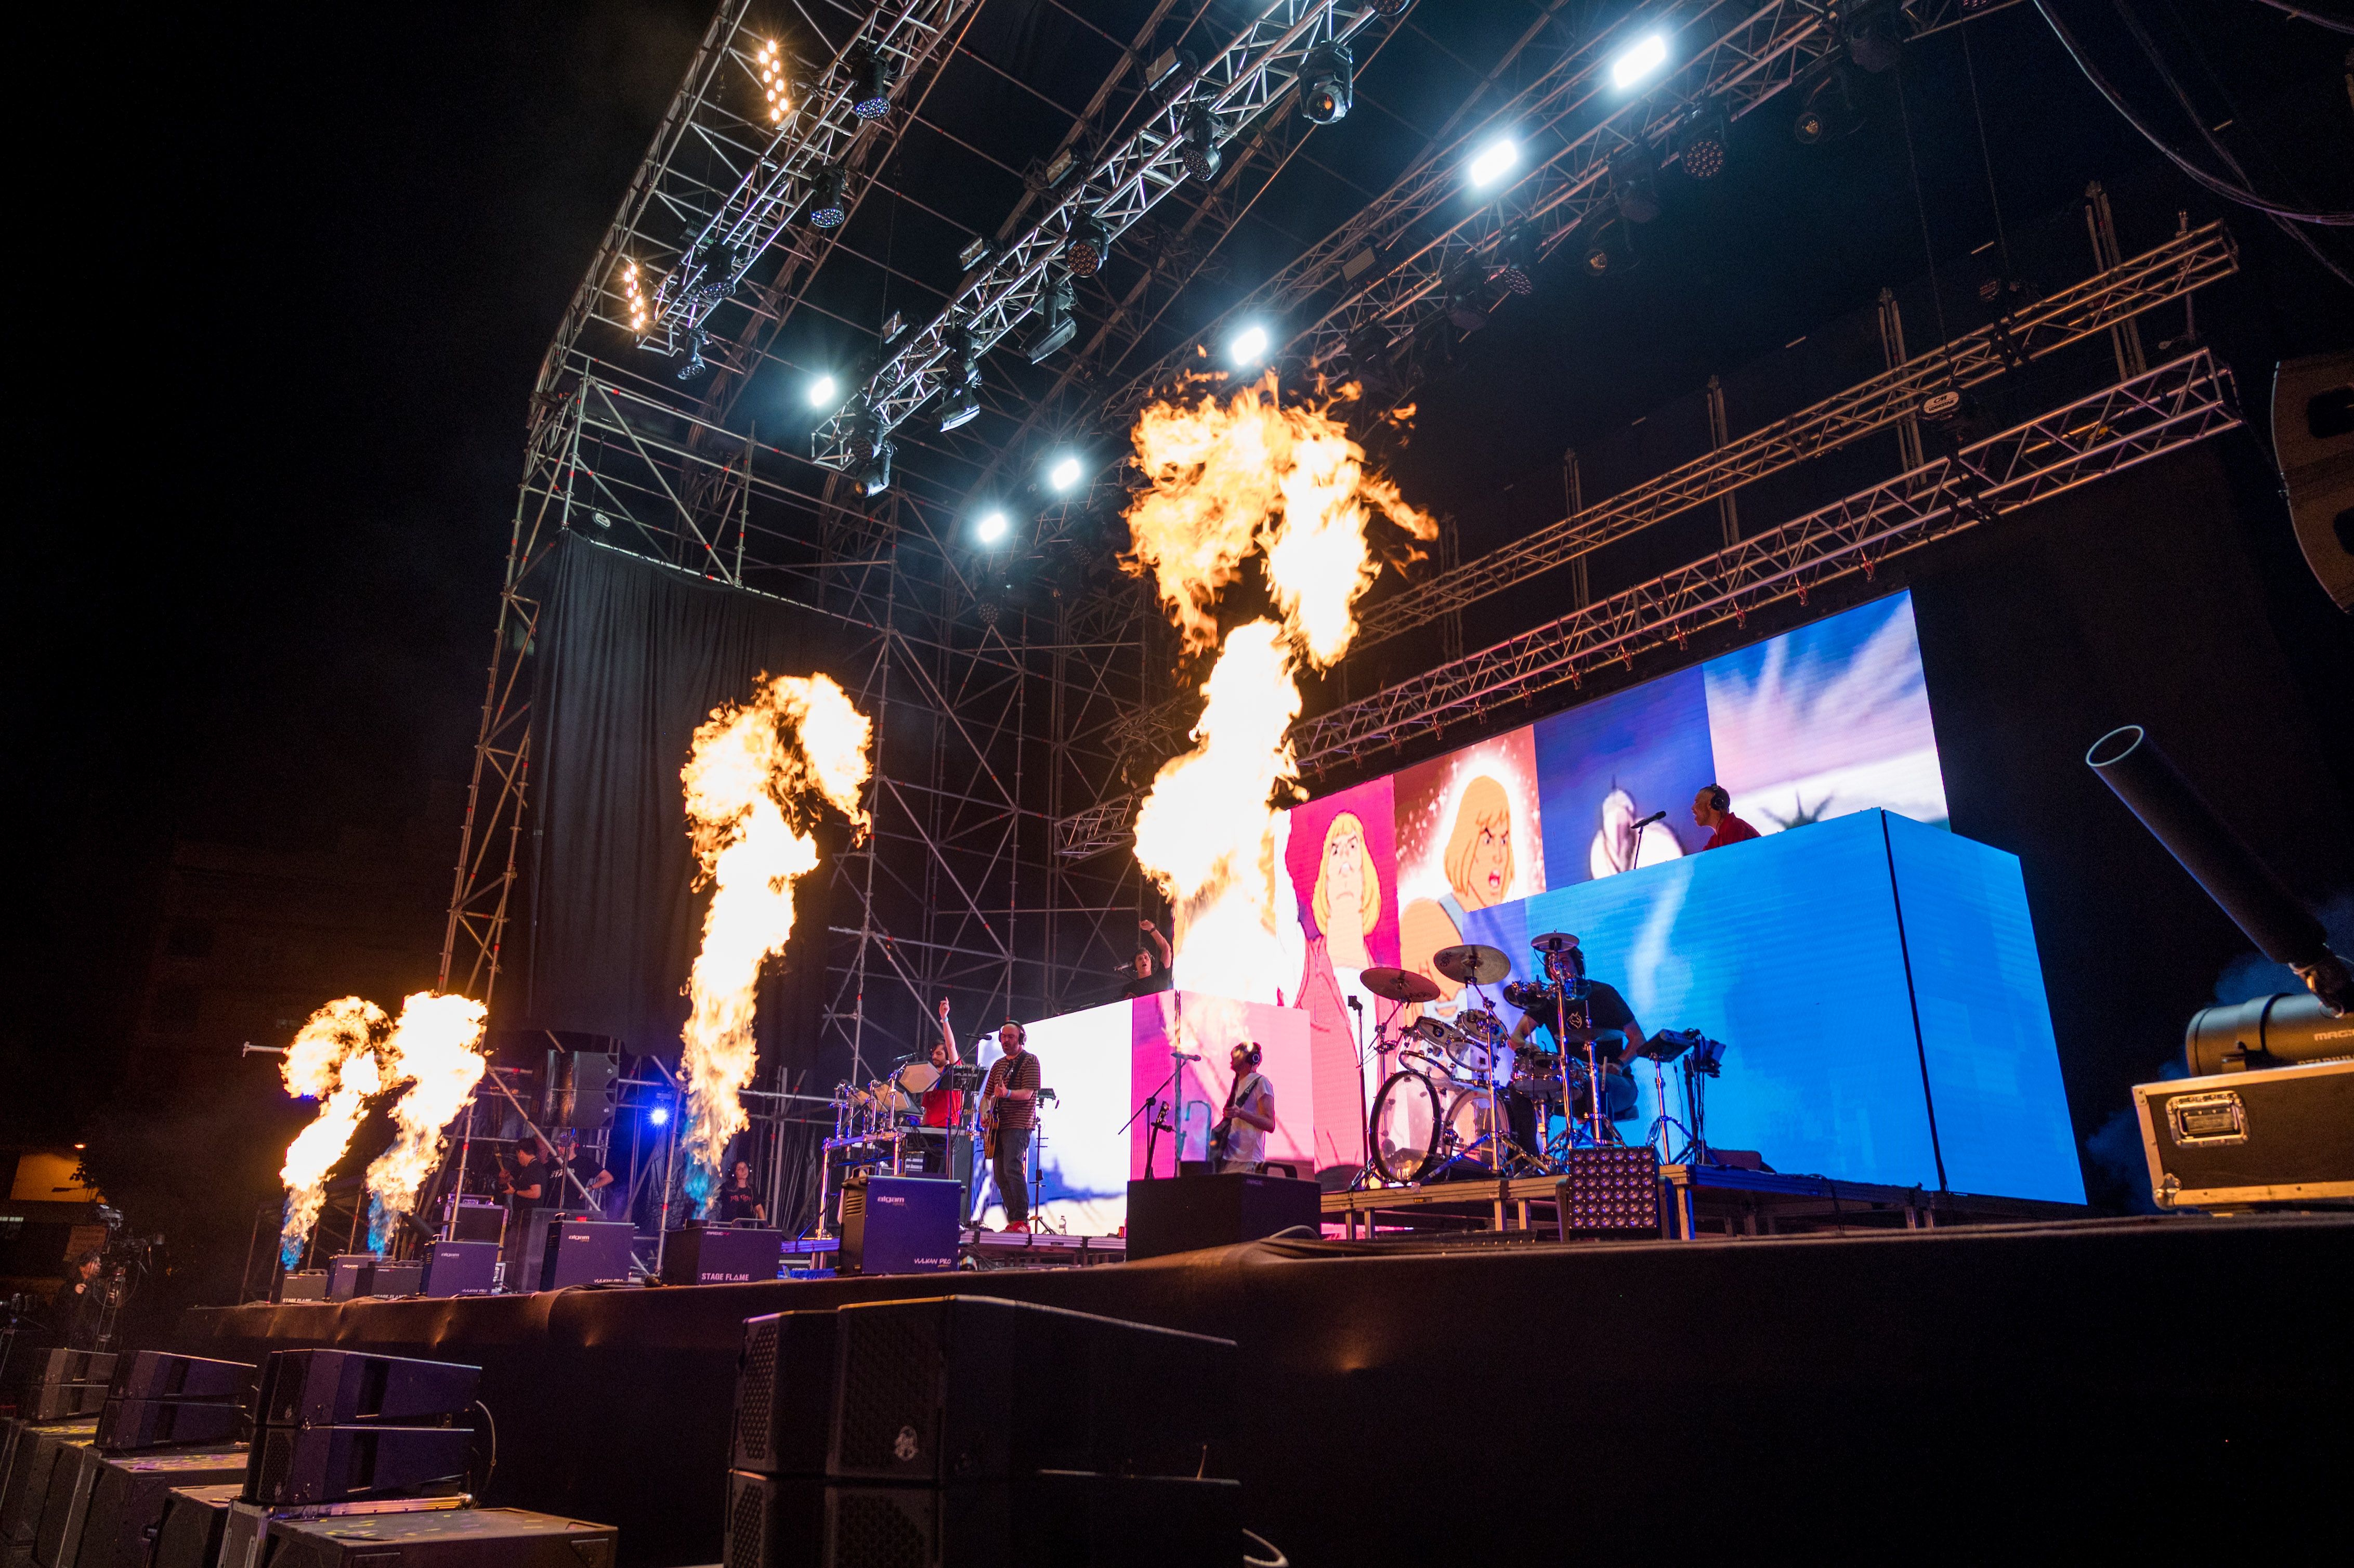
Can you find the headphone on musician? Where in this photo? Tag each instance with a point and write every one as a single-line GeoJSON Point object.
{"type": "Point", "coordinates": [1251, 1054]}
{"type": "Point", "coordinates": [1720, 799]}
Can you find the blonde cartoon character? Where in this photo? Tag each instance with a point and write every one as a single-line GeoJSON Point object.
{"type": "Point", "coordinates": [1346, 905]}
{"type": "Point", "coordinates": [1480, 866]}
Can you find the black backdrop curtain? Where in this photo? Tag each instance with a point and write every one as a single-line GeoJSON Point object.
{"type": "Point", "coordinates": [630, 656]}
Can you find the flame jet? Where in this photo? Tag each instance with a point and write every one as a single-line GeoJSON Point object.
{"type": "Point", "coordinates": [1230, 481]}
{"type": "Point", "coordinates": [750, 780]}
{"type": "Point", "coordinates": [337, 1057]}
{"type": "Point", "coordinates": [433, 1051]}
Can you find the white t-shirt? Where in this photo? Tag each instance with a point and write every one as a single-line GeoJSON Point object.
{"type": "Point", "coordinates": [1245, 1143]}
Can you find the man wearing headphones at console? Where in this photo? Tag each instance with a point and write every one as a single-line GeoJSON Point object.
{"type": "Point", "coordinates": [1239, 1141]}
{"type": "Point", "coordinates": [1713, 810]}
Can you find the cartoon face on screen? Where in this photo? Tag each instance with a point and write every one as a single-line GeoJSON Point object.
{"type": "Point", "coordinates": [1480, 849]}
{"type": "Point", "coordinates": [1347, 901]}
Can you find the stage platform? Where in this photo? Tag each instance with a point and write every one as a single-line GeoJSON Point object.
{"type": "Point", "coordinates": [987, 1249]}
{"type": "Point", "coordinates": [1437, 1398]}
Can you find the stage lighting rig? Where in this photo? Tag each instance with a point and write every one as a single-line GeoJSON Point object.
{"type": "Point", "coordinates": [1063, 472]}
{"type": "Point", "coordinates": [823, 391]}
{"type": "Point", "coordinates": [1870, 37]}
{"type": "Point", "coordinates": [1516, 250]}
{"type": "Point", "coordinates": [1090, 245]}
{"type": "Point", "coordinates": [1828, 112]}
{"type": "Point", "coordinates": [1494, 161]}
{"type": "Point", "coordinates": [964, 399]}
{"type": "Point", "coordinates": [1610, 245]}
{"type": "Point", "coordinates": [1639, 60]}
{"type": "Point", "coordinates": [774, 88]}
{"type": "Point", "coordinates": [871, 78]}
{"type": "Point", "coordinates": [876, 477]}
{"type": "Point", "coordinates": [990, 526]}
{"type": "Point", "coordinates": [1467, 299]}
{"type": "Point", "coordinates": [1327, 84]}
{"type": "Point", "coordinates": [825, 209]}
{"type": "Point", "coordinates": [695, 366]}
{"type": "Point", "coordinates": [1389, 10]}
{"type": "Point", "coordinates": [633, 293]}
{"type": "Point", "coordinates": [1057, 325]}
{"type": "Point", "coordinates": [1635, 181]}
{"type": "Point", "coordinates": [1704, 141]}
{"type": "Point", "coordinates": [1201, 152]}
{"type": "Point", "coordinates": [1247, 347]}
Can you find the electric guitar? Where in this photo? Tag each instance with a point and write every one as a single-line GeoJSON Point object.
{"type": "Point", "coordinates": [1223, 1134]}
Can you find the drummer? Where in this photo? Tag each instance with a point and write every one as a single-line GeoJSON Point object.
{"type": "Point", "coordinates": [943, 1108]}
{"type": "Point", "coordinates": [1604, 1010]}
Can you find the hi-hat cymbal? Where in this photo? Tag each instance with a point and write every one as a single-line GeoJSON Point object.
{"type": "Point", "coordinates": [1399, 985]}
{"type": "Point", "coordinates": [1552, 942]}
{"type": "Point", "coordinates": [1474, 963]}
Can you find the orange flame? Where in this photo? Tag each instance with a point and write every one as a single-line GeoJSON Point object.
{"type": "Point", "coordinates": [338, 1057]}
{"type": "Point", "coordinates": [433, 1051]}
{"type": "Point", "coordinates": [1229, 481]}
{"type": "Point", "coordinates": [749, 780]}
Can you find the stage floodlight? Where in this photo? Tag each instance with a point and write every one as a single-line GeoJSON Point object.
{"type": "Point", "coordinates": [990, 526]}
{"type": "Point", "coordinates": [963, 407]}
{"type": "Point", "coordinates": [1201, 149]}
{"type": "Point", "coordinates": [633, 296]}
{"type": "Point", "coordinates": [774, 88]}
{"type": "Point", "coordinates": [1057, 325]}
{"type": "Point", "coordinates": [876, 477]}
{"type": "Point", "coordinates": [659, 1116]}
{"type": "Point", "coordinates": [1328, 85]}
{"type": "Point", "coordinates": [1705, 142]}
{"type": "Point", "coordinates": [694, 365]}
{"type": "Point", "coordinates": [1090, 244]}
{"type": "Point", "coordinates": [1393, 8]}
{"type": "Point", "coordinates": [1063, 472]}
{"type": "Point", "coordinates": [1494, 161]}
{"type": "Point", "coordinates": [1609, 247]}
{"type": "Point", "coordinates": [1828, 112]}
{"type": "Point", "coordinates": [1870, 37]}
{"type": "Point", "coordinates": [1248, 346]}
{"type": "Point", "coordinates": [823, 392]}
{"type": "Point", "coordinates": [1517, 254]}
{"type": "Point", "coordinates": [825, 209]}
{"type": "Point", "coordinates": [870, 83]}
{"type": "Point", "coordinates": [1635, 181]}
{"type": "Point", "coordinates": [1639, 59]}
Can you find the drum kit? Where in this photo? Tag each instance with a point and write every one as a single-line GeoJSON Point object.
{"type": "Point", "coordinates": [1437, 1113]}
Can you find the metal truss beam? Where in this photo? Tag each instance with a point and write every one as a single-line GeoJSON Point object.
{"type": "Point", "coordinates": [2167, 409]}
{"type": "Point", "coordinates": [1238, 84]}
{"type": "Point", "coordinates": [2166, 272]}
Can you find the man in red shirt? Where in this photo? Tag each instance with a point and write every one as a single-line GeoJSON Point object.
{"type": "Point", "coordinates": [1713, 809]}
{"type": "Point", "coordinates": [943, 1107]}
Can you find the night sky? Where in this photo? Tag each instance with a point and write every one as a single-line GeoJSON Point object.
{"type": "Point", "coordinates": [285, 278]}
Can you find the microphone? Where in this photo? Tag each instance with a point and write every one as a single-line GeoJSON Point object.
{"type": "Point", "coordinates": [1184, 1056]}
{"type": "Point", "coordinates": [1355, 1005]}
{"type": "Point", "coordinates": [1654, 817]}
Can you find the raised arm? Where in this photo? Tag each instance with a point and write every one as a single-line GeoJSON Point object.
{"type": "Point", "coordinates": [1160, 942]}
{"type": "Point", "coordinates": [948, 1036]}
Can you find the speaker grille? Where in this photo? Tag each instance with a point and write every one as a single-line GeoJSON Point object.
{"type": "Point", "coordinates": [872, 1530]}
{"type": "Point", "coordinates": [746, 1522]}
{"type": "Point", "coordinates": [755, 1410]}
{"type": "Point", "coordinates": [276, 1462]}
{"type": "Point", "coordinates": [890, 1384]}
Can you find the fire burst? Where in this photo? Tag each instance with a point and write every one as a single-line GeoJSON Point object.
{"type": "Point", "coordinates": [1230, 481]}
{"type": "Point", "coordinates": [749, 783]}
{"type": "Point", "coordinates": [337, 1058]}
{"type": "Point", "coordinates": [432, 1049]}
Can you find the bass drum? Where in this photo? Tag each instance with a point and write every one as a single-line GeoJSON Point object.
{"type": "Point", "coordinates": [1470, 1118]}
{"type": "Point", "coordinates": [1407, 1115]}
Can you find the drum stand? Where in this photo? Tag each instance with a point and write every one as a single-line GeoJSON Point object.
{"type": "Point", "coordinates": [1658, 1135]}
{"type": "Point", "coordinates": [1382, 1030]}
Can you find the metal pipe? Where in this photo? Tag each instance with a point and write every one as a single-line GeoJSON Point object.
{"type": "Point", "coordinates": [2242, 886]}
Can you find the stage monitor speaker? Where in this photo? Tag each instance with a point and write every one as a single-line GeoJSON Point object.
{"type": "Point", "coordinates": [388, 1280]}
{"type": "Point", "coordinates": [1194, 1211]}
{"type": "Point", "coordinates": [290, 1466]}
{"type": "Point", "coordinates": [58, 1540]}
{"type": "Point", "coordinates": [2274, 1135]}
{"type": "Point", "coordinates": [159, 1374]}
{"type": "Point", "coordinates": [304, 1285]}
{"type": "Point", "coordinates": [784, 1393]}
{"type": "Point", "coordinates": [478, 1220]}
{"type": "Point", "coordinates": [587, 1252]}
{"type": "Point", "coordinates": [1610, 1191]}
{"type": "Point", "coordinates": [970, 1388]}
{"type": "Point", "coordinates": [27, 1483]}
{"type": "Point", "coordinates": [721, 1255]}
{"type": "Point", "coordinates": [445, 1538]}
{"type": "Point", "coordinates": [461, 1269]}
{"type": "Point", "coordinates": [63, 1400]}
{"type": "Point", "coordinates": [127, 1503]}
{"type": "Point", "coordinates": [12, 1429]}
{"type": "Point", "coordinates": [2313, 441]}
{"type": "Point", "coordinates": [190, 1533]}
{"type": "Point", "coordinates": [72, 1367]}
{"type": "Point", "coordinates": [347, 1274]}
{"type": "Point", "coordinates": [1132, 1522]}
{"type": "Point", "coordinates": [126, 1424]}
{"type": "Point", "coordinates": [899, 1224]}
{"type": "Point", "coordinates": [340, 1388]}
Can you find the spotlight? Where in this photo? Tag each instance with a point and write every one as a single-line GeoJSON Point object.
{"type": "Point", "coordinates": [821, 391]}
{"type": "Point", "coordinates": [1386, 8]}
{"type": "Point", "coordinates": [773, 86]}
{"type": "Point", "coordinates": [695, 366]}
{"type": "Point", "coordinates": [1635, 180]}
{"type": "Point", "coordinates": [825, 209]}
{"type": "Point", "coordinates": [633, 293]}
{"type": "Point", "coordinates": [964, 399]}
{"type": "Point", "coordinates": [876, 477]}
{"type": "Point", "coordinates": [659, 1116]}
{"type": "Point", "coordinates": [1703, 143]}
{"type": "Point", "coordinates": [1872, 39]}
{"type": "Point", "coordinates": [1064, 472]}
{"type": "Point", "coordinates": [1328, 78]}
{"type": "Point", "coordinates": [1517, 253]}
{"type": "Point", "coordinates": [1089, 244]}
{"type": "Point", "coordinates": [1248, 348]}
{"type": "Point", "coordinates": [1201, 150]}
{"type": "Point", "coordinates": [1057, 325]}
{"type": "Point", "coordinates": [1643, 58]}
{"type": "Point", "coordinates": [990, 526]}
{"type": "Point", "coordinates": [870, 83]}
{"type": "Point", "coordinates": [1369, 356]}
{"type": "Point", "coordinates": [1828, 112]}
{"type": "Point", "coordinates": [1608, 247]}
{"type": "Point", "coordinates": [963, 408]}
{"type": "Point", "coordinates": [1494, 161]}
{"type": "Point", "coordinates": [1466, 298]}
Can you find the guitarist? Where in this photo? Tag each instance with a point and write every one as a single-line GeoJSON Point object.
{"type": "Point", "coordinates": [1009, 1104]}
{"type": "Point", "coordinates": [1239, 1143]}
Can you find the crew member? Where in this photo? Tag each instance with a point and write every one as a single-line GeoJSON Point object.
{"type": "Point", "coordinates": [1011, 1095]}
{"type": "Point", "coordinates": [738, 1200]}
{"type": "Point", "coordinates": [522, 1179]}
{"type": "Point", "coordinates": [82, 1302]}
{"type": "Point", "coordinates": [586, 1168]}
{"type": "Point", "coordinates": [1594, 1008]}
{"type": "Point", "coordinates": [1152, 962]}
{"type": "Point", "coordinates": [1250, 1118]}
{"type": "Point", "coordinates": [1713, 809]}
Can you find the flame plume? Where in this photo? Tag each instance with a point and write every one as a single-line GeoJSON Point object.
{"type": "Point", "coordinates": [1229, 481]}
{"type": "Point", "coordinates": [432, 1050]}
{"type": "Point", "coordinates": [749, 781]}
{"type": "Point", "coordinates": [337, 1057]}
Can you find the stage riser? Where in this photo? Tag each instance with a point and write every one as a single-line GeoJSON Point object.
{"type": "Point", "coordinates": [1660, 1393]}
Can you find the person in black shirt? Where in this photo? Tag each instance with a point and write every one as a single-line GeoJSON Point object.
{"type": "Point", "coordinates": [82, 1302]}
{"type": "Point", "coordinates": [1152, 963]}
{"type": "Point", "coordinates": [738, 1202]}
{"type": "Point", "coordinates": [1011, 1095]}
{"type": "Point", "coordinates": [585, 1168]}
{"type": "Point", "coordinates": [1601, 1010]}
{"type": "Point", "coordinates": [523, 1181]}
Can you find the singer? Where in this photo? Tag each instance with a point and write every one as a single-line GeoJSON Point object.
{"type": "Point", "coordinates": [1713, 809]}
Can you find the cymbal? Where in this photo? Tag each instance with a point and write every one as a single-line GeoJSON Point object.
{"type": "Point", "coordinates": [1552, 942]}
{"type": "Point", "coordinates": [1399, 985]}
{"type": "Point", "coordinates": [1474, 963]}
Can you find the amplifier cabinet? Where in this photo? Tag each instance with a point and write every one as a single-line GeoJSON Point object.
{"type": "Point", "coordinates": [127, 1501]}
{"type": "Point", "coordinates": [721, 1255]}
{"type": "Point", "coordinates": [192, 1521]}
{"type": "Point", "coordinates": [587, 1252]}
{"type": "Point", "coordinates": [784, 1394]}
{"type": "Point", "coordinates": [476, 1220]}
{"type": "Point", "coordinates": [64, 1401]}
{"type": "Point", "coordinates": [1132, 1520]}
{"type": "Point", "coordinates": [339, 1388]}
{"type": "Point", "coordinates": [2276, 1135]}
{"type": "Point", "coordinates": [73, 1366]}
{"type": "Point", "coordinates": [304, 1285]}
{"type": "Point", "coordinates": [158, 1374]}
{"type": "Point", "coordinates": [127, 1424]}
{"type": "Point", "coordinates": [899, 1224]}
{"type": "Point", "coordinates": [388, 1279]}
{"type": "Point", "coordinates": [348, 1275]}
{"type": "Point", "coordinates": [1189, 1212]}
{"type": "Point", "coordinates": [27, 1489]}
{"type": "Point", "coordinates": [461, 1267]}
{"type": "Point", "coordinates": [56, 1540]}
{"type": "Point", "coordinates": [290, 1466]}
